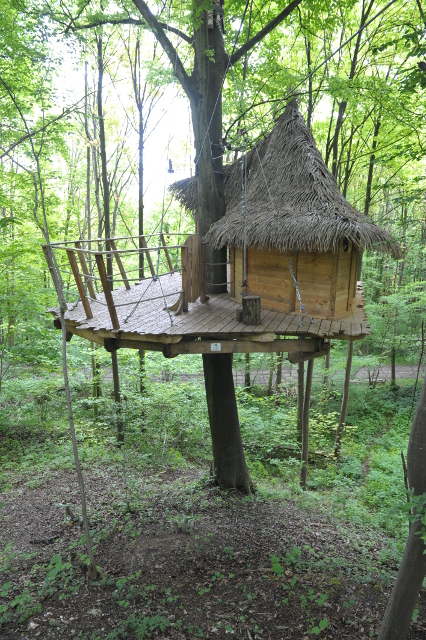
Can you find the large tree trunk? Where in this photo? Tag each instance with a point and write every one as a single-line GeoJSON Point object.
{"type": "Point", "coordinates": [229, 463]}
{"type": "Point", "coordinates": [396, 621]}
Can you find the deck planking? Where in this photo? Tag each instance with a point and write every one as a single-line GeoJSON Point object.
{"type": "Point", "coordinates": [215, 318]}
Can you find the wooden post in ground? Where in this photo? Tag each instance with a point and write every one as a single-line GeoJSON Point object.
{"type": "Point", "coordinates": [345, 399]}
{"type": "Point", "coordinates": [300, 397]}
{"type": "Point", "coordinates": [326, 367]}
{"type": "Point", "coordinates": [305, 432]}
{"type": "Point", "coordinates": [247, 381]}
{"type": "Point", "coordinates": [185, 283]}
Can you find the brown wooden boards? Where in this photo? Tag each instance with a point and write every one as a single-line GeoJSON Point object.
{"type": "Point", "coordinates": [79, 283]}
{"type": "Point", "coordinates": [107, 291]}
{"type": "Point", "coordinates": [308, 346]}
{"type": "Point", "coordinates": [120, 264]}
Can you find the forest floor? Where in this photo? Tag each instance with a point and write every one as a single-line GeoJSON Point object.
{"type": "Point", "coordinates": [255, 567]}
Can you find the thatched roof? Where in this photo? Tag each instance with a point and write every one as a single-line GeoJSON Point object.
{"type": "Point", "coordinates": [308, 210]}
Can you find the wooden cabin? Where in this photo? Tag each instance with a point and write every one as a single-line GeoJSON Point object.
{"type": "Point", "coordinates": [298, 218]}
{"type": "Point", "coordinates": [327, 281]}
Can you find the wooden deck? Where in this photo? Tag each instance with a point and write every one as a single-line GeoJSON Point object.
{"type": "Point", "coordinates": [146, 324]}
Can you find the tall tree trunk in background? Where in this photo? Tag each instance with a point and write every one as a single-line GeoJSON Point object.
{"type": "Point", "coordinates": [96, 392]}
{"type": "Point", "coordinates": [271, 375]}
{"type": "Point", "coordinates": [247, 382]}
{"type": "Point", "coordinates": [371, 168]}
{"type": "Point", "coordinates": [105, 184]}
{"type": "Point", "coordinates": [398, 286]}
{"type": "Point", "coordinates": [310, 100]}
{"type": "Point", "coordinates": [343, 104]}
{"type": "Point", "coordinates": [397, 618]}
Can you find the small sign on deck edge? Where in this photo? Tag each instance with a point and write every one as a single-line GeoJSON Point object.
{"type": "Point", "coordinates": [215, 346]}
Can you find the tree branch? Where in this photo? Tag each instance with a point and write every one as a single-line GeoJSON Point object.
{"type": "Point", "coordinates": [169, 49]}
{"type": "Point", "coordinates": [263, 32]}
{"type": "Point", "coordinates": [134, 21]}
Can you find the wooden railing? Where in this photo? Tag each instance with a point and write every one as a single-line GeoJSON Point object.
{"type": "Point", "coordinates": [83, 259]}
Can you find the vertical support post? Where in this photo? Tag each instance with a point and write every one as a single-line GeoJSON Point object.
{"type": "Point", "coordinates": [300, 398]}
{"type": "Point", "coordinates": [203, 295]}
{"type": "Point", "coordinates": [107, 291]}
{"type": "Point", "coordinates": [119, 263]}
{"type": "Point", "coordinates": [148, 256]}
{"type": "Point", "coordinates": [232, 265]}
{"type": "Point", "coordinates": [86, 273]}
{"type": "Point", "coordinates": [305, 432]}
{"type": "Point", "coordinates": [117, 397]}
{"type": "Point", "coordinates": [166, 251]}
{"type": "Point", "coordinates": [79, 283]}
{"type": "Point", "coordinates": [184, 260]}
{"type": "Point", "coordinates": [345, 399]}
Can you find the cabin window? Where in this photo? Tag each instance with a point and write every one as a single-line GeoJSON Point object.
{"type": "Point", "coordinates": [345, 244]}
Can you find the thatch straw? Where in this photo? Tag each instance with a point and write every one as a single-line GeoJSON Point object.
{"type": "Point", "coordinates": [308, 211]}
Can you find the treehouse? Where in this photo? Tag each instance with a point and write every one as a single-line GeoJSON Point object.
{"type": "Point", "coordinates": [294, 244]}
{"type": "Point", "coordinates": [288, 227]}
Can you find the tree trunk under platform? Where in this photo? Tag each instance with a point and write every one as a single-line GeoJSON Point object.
{"type": "Point", "coordinates": [230, 466]}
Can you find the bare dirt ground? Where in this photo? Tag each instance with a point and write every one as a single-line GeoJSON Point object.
{"type": "Point", "coordinates": [254, 568]}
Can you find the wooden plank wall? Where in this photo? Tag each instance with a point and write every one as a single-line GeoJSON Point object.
{"type": "Point", "coordinates": [314, 276]}
{"type": "Point", "coordinates": [269, 277]}
{"type": "Point", "coordinates": [326, 281]}
{"type": "Point", "coordinates": [343, 277]}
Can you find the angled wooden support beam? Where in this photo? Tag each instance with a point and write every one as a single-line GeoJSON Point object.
{"type": "Point", "coordinates": [166, 251]}
{"type": "Point", "coordinates": [79, 282]}
{"type": "Point", "coordinates": [107, 291]}
{"type": "Point", "coordinates": [119, 263]}
{"type": "Point", "coordinates": [148, 256]}
{"type": "Point", "coordinates": [48, 255]}
{"type": "Point", "coordinates": [203, 295]}
{"type": "Point", "coordinates": [83, 265]}
{"type": "Point", "coordinates": [185, 283]}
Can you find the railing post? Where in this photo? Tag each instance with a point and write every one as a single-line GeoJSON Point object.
{"type": "Point", "coordinates": [83, 264]}
{"type": "Point", "coordinates": [79, 283]}
{"type": "Point", "coordinates": [184, 260]}
{"type": "Point", "coordinates": [107, 291]}
{"type": "Point", "coordinates": [119, 263]}
{"type": "Point", "coordinates": [166, 251]}
{"type": "Point", "coordinates": [203, 296]}
{"type": "Point", "coordinates": [148, 257]}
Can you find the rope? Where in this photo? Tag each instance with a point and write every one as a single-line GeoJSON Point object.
{"type": "Point", "coordinates": [244, 185]}
{"type": "Point", "coordinates": [226, 70]}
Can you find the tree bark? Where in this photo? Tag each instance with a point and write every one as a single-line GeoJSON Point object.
{"type": "Point", "coordinates": [345, 399]}
{"type": "Point", "coordinates": [300, 399]}
{"type": "Point", "coordinates": [305, 431]}
{"type": "Point", "coordinates": [247, 382]}
{"type": "Point", "coordinates": [396, 621]}
{"type": "Point", "coordinates": [229, 462]}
